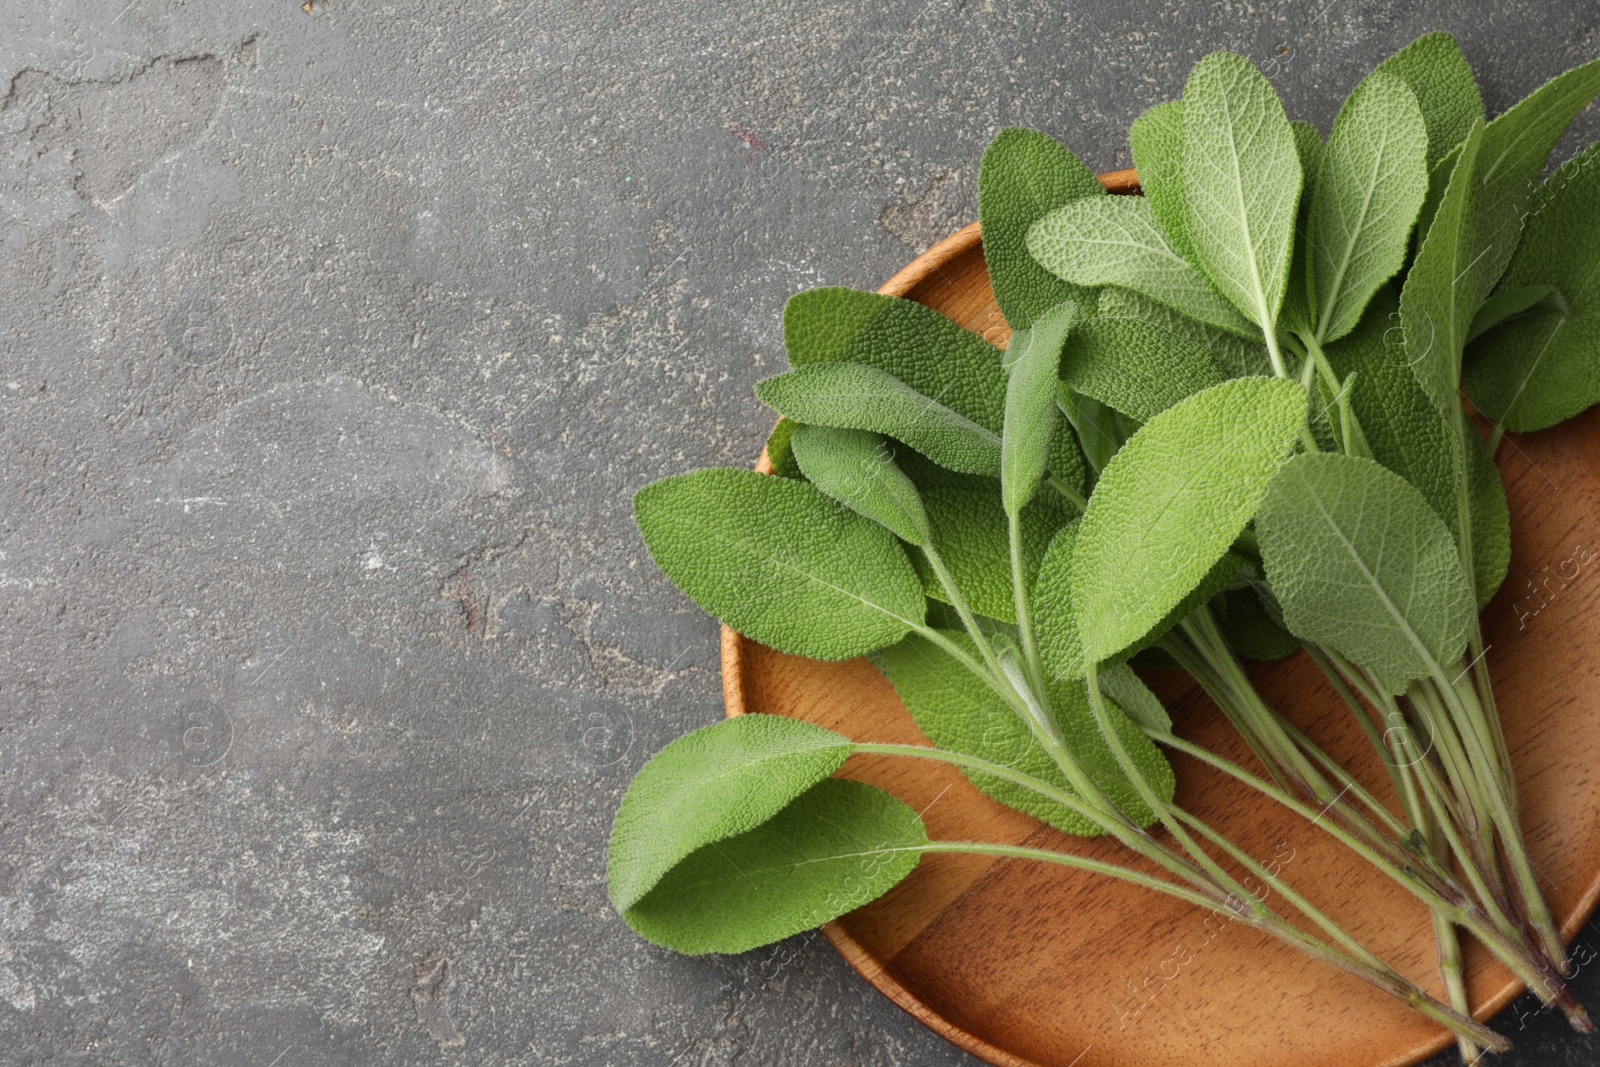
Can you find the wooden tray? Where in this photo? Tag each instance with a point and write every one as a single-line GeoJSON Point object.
{"type": "Point", "coordinates": [1030, 965]}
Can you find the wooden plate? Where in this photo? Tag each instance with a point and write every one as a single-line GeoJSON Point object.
{"type": "Point", "coordinates": [1029, 965]}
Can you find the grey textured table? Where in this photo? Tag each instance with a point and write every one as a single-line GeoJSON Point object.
{"type": "Point", "coordinates": [334, 344]}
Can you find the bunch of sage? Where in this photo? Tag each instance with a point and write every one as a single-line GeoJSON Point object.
{"type": "Point", "coordinates": [1228, 423]}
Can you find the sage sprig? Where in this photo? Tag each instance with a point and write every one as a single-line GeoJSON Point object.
{"type": "Point", "coordinates": [1206, 439]}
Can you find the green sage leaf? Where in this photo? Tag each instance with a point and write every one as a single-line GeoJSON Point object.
{"type": "Point", "coordinates": [779, 453]}
{"type": "Point", "coordinates": [836, 847]}
{"type": "Point", "coordinates": [1135, 367]}
{"type": "Point", "coordinates": [780, 562]}
{"type": "Point", "coordinates": [1299, 301]}
{"type": "Point", "coordinates": [855, 396]}
{"type": "Point", "coordinates": [1234, 355]}
{"type": "Point", "coordinates": [1056, 623]}
{"type": "Point", "coordinates": [1116, 240]}
{"type": "Point", "coordinates": [1241, 183]}
{"type": "Point", "coordinates": [1170, 503]}
{"type": "Point", "coordinates": [1406, 433]}
{"type": "Point", "coordinates": [959, 713]}
{"type": "Point", "coordinates": [1024, 175]}
{"type": "Point", "coordinates": [717, 782]}
{"type": "Point", "coordinates": [1127, 691]}
{"type": "Point", "coordinates": [1438, 74]}
{"type": "Point", "coordinates": [1251, 629]}
{"type": "Point", "coordinates": [1442, 289]}
{"type": "Point", "coordinates": [1490, 516]}
{"type": "Point", "coordinates": [1537, 370]}
{"type": "Point", "coordinates": [1033, 359]}
{"type": "Point", "coordinates": [1367, 196]}
{"type": "Point", "coordinates": [1516, 146]}
{"type": "Point", "coordinates": [1507, 305]}
{"type": "Point", "coordinates": [1156, 142]}
{"type": "Point", "coordinates": [915, 344]}
{"type": "Point", "coordinates": [1362, 564]}
{"type": "Point", "coordinates": [971, 535]}
{"type": "Point", "coordinates": [857, 469]}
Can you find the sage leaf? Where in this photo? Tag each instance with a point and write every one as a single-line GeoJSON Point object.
{"type": "Point", "coordinates": [1299, 301]}
{"type": "Point", "coordinates": [1056, 623]}
{"type": "Point", "coordinates": [960, 713]}
{"type": "Point", "coordinates": [1535, 371]}
{"type": "Point", "coordinates": [1066, 463]}
{"type": "Point", "coordinates": [1100, 428]}
{"type": "Point", "coordinates": [1241, 183]}
{"type": "Point", "coordinates": [1516, 146]}
{"type": "Point", "coordinates": [1406, 433]}
{"type": "Point", "coordinates": [1156, 142]}
{"type": "Point", "coordinates": [1032, 359]}
{"type": "Point", "coordinates": [1489, 514]}
{"type": "Point", "coordinates": [1367, 196]}
{"type": "Point", "coordinates": [1170, 503]}
{"type": "Point", "coordinates": [836, 847]}
{"type": "Point", "coordinates": [1023, 176]}
{"type": "Point", "coordinates": [1360, 563]}
{"type": "Point", "coordinates": [1236, 356]}
{"type": "Point", "coordinates": [780, 562]}
{"type": "Point", "coordinates": [855, 396]}
{"type": "Point", "coordinates": [717, 782]}
{"type": "Point", "coordinates": [1434, 69]}
{"type": "Point", "coordinates": [1442, 289]}
{"type": "Point", "coordinates": [1115, 240]}
{"type": "Point", "coordinates": [1506, 305]}
{"type": "Point", "coordinates": [779, 453]}
{"type": "Point", "coordinates": [1139, 369]}
{"type": "Point", "coordinates": [1251, 629]}
{"type": "Point", "coordinates": [970, 533]}
{"type": "Point", "coordinates": [1127, 691]}
{"type": "Point", "coordinates": [915, 344]}
{"type": "Point", "coordinates": [857, 469]}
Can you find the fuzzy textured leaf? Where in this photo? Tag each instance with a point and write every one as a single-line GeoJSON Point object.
{"type": "Point", "coordinates": [971, 535]}
{"type": "Point", "coordinates": [1516, 146]}
{"type": "Point", "coordinates": [1442, 289]}
{"type": "Point", "coordinates": [1241, 182]}
{"type": "Point", "coordinates": [1156, 142]}
{"type": "Point", "coordinates": [855, 396]}
{"type": "Point", "coordinates": [857, 469]}
{"type": "Point", "coordinates": [779, 453]}
{"type": "Point", "coordinates": [1490, 516]}
{"type": "Point", "coordinates": [1115, 240]}
{"type": "Point", "coordinates": [1032, 360]}
{"type": "Point", "coordinates": [1127, 691]}
{"type": "Point", "coordinates": [960, 713]}
{"type": "Point", "coordinates": [717, 782]}
{"type": "Point", "coordinates": [1367, 196]}
{"type": "Point", "coordinates": [1236, 356]}
{"type": "Point", "coordinates": [1170, 503]}
{"type": "Point", "coordinates": [1409, 435]}
{"type": "Point", "coordinates": [1362, 564]}
{"type": "Point", "coordinates": [1251, 631]}
{"type": "Point", "coordinates": [1135, 367]}
{"type": "Point", "coordinates": [780, 561]}
{"type": "Point", "coordinates": [915, 344]}
{"type": "Point", "coordinates": [1537, 370]}
{"type": "Point", "coordinates": [1056, 623]}
{"type": "Point", "coordinates": [1438, 74]}
{"type": "Point", "coordinates": [1299, 302]}
{"type": "Point", "coordinates": [836, 847]}
{"type": "Point", "coordinates": [1025, 175]}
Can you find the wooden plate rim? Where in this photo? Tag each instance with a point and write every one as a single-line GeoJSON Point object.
{"type": "Point", "coordinates": [860, 959]}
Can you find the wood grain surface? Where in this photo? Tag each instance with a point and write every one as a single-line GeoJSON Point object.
{"type": "Point", "coordinates": [1031, 965]}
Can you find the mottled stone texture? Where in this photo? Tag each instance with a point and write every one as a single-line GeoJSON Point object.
{"type": "Point", "coordinates": [334, 344]}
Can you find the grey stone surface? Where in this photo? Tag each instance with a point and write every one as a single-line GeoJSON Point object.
{"type": "Point", "coordinates": [334, 342]}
